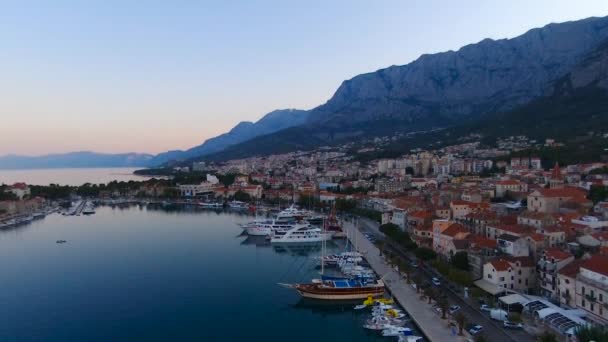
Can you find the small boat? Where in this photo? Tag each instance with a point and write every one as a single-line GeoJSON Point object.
{"type": "Point", "coordinates": [395, 331]}
{"type": "Point", "coordinates": [360, 307]}
{"type": "Point", "coordinates": [60, 241]}
{"type": "Point", "coordinates": [237, 205]}
{"type": "Point", "coordinates": [211, 205]}
{"type": "Point", "coordinates": [409, 338]}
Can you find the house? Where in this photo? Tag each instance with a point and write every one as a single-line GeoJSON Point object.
{"type": "Point", "coordinates": [551, 262]}
{"type": "Point", "coordinates": [513, 245]}
{"type": "Point", "coordinates": [399, 218]}
{"type": "Point", "coordinates": [513, 273]}
{"type": "Point", "coordinates": [419, 218]}
{"type": "Point", "coordinates": [509, 185]}
{"type": "Point", "coordinates": [461, 208]}
{"type": "Point", "coordinates": [535, 219]}
{"type": "Point", "coordinates": [494, 231]}
{"type": "Point", "coordinates": [592, 288]}
{"type": "Point", "coordinates": [480, 251]}
{"type": "Point", "coordinates": [443, 242]}
{"type": "Point", "coordinates": [566, 281]}
{"type": "Point", "coordinates": [551, 200]}
{"type": "Point", "coordinates": [20, 190]}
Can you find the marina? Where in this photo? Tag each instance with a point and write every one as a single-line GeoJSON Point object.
{"type": "Point", "coordinates": [156, 274]}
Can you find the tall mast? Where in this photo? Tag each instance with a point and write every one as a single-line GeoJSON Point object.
{"type": "Point", "coordinates": [323, 251]}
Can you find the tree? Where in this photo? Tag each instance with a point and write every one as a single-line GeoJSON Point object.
{"type": "Point", "coordinates": [242, 196]}
{"type": "Point", "coordinates": [425, 254]}
{"type": "Point", "coordinates": [588, 333]}
{"type": "Point", "coordinates": [598, 193]}
{"type": "Point", "coordinates": [461, 321]}
{"type": "Point", "coordinates": [460, 260]}
{"type": "Point", "coordinates": [480, 338]}
{"type": "Point", "coordinates": [429, 292]}
{"type": "Point", "coordinates": [547, 337]}
{"type": "Point", "coordinates": [442, 301]}
{"type": "Point", "coordinates": [418, 281]}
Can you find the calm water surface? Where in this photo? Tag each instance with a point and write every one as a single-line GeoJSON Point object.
{"type": "Point", "coordinates": [137, 274]}
{"type": "Point", "coordinates": [69, 176]}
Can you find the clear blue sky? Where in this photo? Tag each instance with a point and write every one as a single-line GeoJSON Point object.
{"type": "Point", "coordinates": [148, 76]}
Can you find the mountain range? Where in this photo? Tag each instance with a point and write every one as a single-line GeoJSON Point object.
{"type": "Point", "coordinates": [75, 160]}
{"type": "Point", "coordinates": [479, 85]}
{"type": "Point", "coordinates": [493, 83]}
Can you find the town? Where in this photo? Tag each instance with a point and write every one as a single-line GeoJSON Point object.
{"type": "Point", "coordinates": [501, 231]}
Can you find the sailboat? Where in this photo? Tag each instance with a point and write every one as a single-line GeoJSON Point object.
{"type": "Point", "coordinates": [333, 288]}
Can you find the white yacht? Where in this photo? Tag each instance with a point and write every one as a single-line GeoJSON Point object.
{"type": "Point", "coordinates": [294, 213]}
{"type": "Point", "coordinates": [89, 208]}
{"type": "Point", "coordinates": [300, 233]}
{"type": "Point", "coordinates": [237, 205]}
{"type": "Point", "coordinates": [267, 227]}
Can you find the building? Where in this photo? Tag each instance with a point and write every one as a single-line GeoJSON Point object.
{"type": "Point", "coordinates": [20, 190]}
{"type": "Point", "coordinates": [551, 262]}
{"type": "Point", "coordinates": [551, 200]}
{"type": "Point", "coordinates": [399, 218]}
{"type": "Point", "coordinates": [512, 273]}
{"type": "Point", "coordinates": [509, 185]}
{"type": "Point", "coordinates": [592, 288]}
{"type": "Point", "coordinates": [444, 237]}
{"type": "Point", "coordinates": [566, 281]}
{"type": "Point", "coordinates": [513, 245]}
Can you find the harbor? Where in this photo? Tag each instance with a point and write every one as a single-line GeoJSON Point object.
{"type": "Point", "coordinates": [425, 319]}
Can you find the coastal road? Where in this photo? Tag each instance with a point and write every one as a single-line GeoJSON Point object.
{"type": "Point", "coordinates": [493, 330]}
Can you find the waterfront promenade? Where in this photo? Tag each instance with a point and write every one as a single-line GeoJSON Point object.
{"type": "Point", "coordinates": [429, 322]}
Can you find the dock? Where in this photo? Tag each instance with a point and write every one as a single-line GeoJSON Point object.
{"type": "Point", "coordinates": [428, 322]}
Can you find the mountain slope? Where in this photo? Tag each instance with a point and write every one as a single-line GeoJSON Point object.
{"type": "Point", "coordinates": [270, 123]}
{"type": "Point", "coordinates": [572, 103]}
{"type": "Point", "coordinates": [75, 159]}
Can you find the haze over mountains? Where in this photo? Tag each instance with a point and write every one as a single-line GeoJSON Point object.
{"type": "Point", "coordinates": [477, 85]}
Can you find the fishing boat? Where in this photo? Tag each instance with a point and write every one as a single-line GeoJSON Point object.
{"type": "Point", "coordinates": [237, 205]}
{"type": "Point", "coordinates": [299, 233]}
{"type": "Point", "coordinates": [211, 205]}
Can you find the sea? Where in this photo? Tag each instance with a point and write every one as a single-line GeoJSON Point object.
{"type": "Point", "coordinates": [154, 273]}
{"type": "Point", "coordinates": [73, 176]}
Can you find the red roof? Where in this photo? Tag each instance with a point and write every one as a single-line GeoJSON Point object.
{"type": "Point", "coordinates": [21, 186]}
{"type": "Point", "coordinates": [454, 230]}
{"type": "Point", "coordinates": [500, 265]}
{"type": "Point", "coordinates": [571, 270]}
{"type": "Point", "coordinates": [597, 263]}
{"type": "Point", "coordinates": [508, 182]}
{"type": "Point", "coordinates": [563, 192]}
{"type": "Point", "coordinates": [557, 254]}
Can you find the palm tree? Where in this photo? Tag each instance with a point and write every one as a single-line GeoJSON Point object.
{"type": "Point", "coordinates": [417, 280]}
{"type": "Point", "coordinates": [461, 321]}
{"type": "Point", "coordinates": [547, 337]}
{"type": "Point", "coordinates": [429, 292]}
{"type": "Point", "coordinates": [442, 301]}
{"type": "Point", "coordinates": [587, 333]}
{"type": "Point", "coordinates": [480, 338]}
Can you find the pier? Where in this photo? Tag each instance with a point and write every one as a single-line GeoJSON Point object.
{"type": "Point", "coordinates": [429, 322]}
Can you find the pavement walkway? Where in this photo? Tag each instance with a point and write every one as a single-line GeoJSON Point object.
{"type": "Point", "coordinates": [429, 322]}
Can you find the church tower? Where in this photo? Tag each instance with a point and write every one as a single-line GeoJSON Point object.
{"type": "Point", "coordinates": [557, 180]}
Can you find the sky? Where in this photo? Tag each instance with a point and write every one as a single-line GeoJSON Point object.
{"type": "Point", "coordinates": [151, 76]}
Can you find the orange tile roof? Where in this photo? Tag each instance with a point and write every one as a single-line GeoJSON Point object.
{"type": "Point", "coordinates": [571, 270]}
{"type": "Point", "coordinates": [597, 263]}
{"type": "Point", "coordinates": [454, 229]}
{"type": "Point", "coordinates": [500, 265]}
{"type": "Point", "coordinates": [557, 254]}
